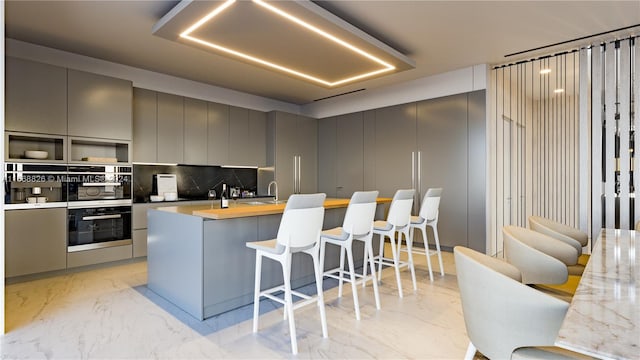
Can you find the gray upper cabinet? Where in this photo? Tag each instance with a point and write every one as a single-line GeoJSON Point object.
{"type": "Point", "coordinates": [99, 106]}
{"type": "Point", "coordinates": [293, 141]}
{"type": "Point", "coordinates": [145, 127]}
{"type": "Point", "coordinates": [247, 137]}
{"type": "Point", "coordinates": [217, 134]}
{"type": "Point", "coordinates": [443, 144]}
{"type": "Point", "coordinates": [36, 97]}
{"type": "Point", "coordinates": [257, 138]}
{"type": "Point", "coordinates": [195, 131]}
{"type": "Point", "coordinates": [175, 129]}
{"type": "Point", "coordinates": [395, 140]}
{"type": "Point", "coordinates": [170, 128]}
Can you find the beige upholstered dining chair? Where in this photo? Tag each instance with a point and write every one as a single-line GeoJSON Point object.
{"type": "Point", "coordinates": [504, 318]}
{"type": "Point", "coordinates": [542, 260]}
{"type": "Point", "coordinates": [572, 236]}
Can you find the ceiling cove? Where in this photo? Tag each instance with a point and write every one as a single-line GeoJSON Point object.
{"type": "Point", "coordinates": [296, 38]}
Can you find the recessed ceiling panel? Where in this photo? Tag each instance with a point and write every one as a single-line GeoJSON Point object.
{"type": "Point", "coordinates": [299, 39]}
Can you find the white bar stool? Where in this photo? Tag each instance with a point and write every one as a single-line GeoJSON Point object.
{"type": "Point", "coordinates": [397, 222]}
{"type": "Point", "coordinates": [357, 225]}
{"type": "Point", "coordinates": [299, 231]}
{"type": "Point", "coordinates": [428, 216]}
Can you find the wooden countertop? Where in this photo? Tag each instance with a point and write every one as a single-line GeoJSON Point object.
{"type": "Point", "coordinates": [240, 210]}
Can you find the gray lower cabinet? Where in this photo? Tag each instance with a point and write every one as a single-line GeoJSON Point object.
{"type": "Point", "coordinates": [195, 131]}
{"type": "Point", "coordinates": [36, 97]}
{"type": "Point", "coordinates": [139, 237]}
{"type": "Point", "coordinates": [204, 267]}
{"type": "Point", "coordinates": [170, 128]}
{"type": "Point", "coordinates": [105, 116]}
{"type": "Point", "coordinates": [139, 222]}
{"type": "Point", "coordinates": [98, 256]}
{"type": "Point", "coordinates": [145, 125]}
{"type": "Point", "coordinates": [35, 241]}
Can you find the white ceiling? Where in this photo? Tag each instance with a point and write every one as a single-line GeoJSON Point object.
{"type": "Point", "coordinates": [439, 36]}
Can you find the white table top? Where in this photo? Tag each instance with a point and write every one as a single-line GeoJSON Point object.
{"type": "Point", "coordinates": [603, 319]}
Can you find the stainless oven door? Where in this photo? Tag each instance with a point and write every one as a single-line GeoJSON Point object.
{"type": "Point", "coordinates": [99, 227]}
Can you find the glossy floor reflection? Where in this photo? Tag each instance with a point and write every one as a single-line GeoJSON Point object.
{"type": "Point", "coordinates": [109, 313]}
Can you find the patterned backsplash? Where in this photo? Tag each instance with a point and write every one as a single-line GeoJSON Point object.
{"type": "Point", "coordinates": [193, 181]}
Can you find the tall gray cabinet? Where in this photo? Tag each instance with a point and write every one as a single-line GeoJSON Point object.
{"type": "Point", "coordinates": [292, 147]}
{"type": "Point", "coordinates": [341, 155]}
{"type": "Point", "coordinates": [433, 143]}
{"type": "Point", "coordinates": [395, 147]}
{"type": "Point", "coordinates": [442, 143]}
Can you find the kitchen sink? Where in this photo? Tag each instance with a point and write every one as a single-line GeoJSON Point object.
{"type": "Point", "coordinates": [275, 202]}
{"type": "Point", "coordinates": [266, 202]}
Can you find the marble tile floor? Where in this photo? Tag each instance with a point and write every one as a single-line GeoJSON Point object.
{"type": "Point", "coordinates": [108, 313]}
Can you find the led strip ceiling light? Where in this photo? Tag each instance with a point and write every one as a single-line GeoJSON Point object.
{"type": "Point", "coordinates": [385, 67]}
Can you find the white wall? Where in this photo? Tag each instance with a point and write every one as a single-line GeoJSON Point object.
{"type": "Point", "coordinates": [430, 87]}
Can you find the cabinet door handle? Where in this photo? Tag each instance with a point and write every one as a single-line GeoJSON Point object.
{"type": "Point", "coordinates": [299, 174]}
{"type": "Point", "coordinates": [413, 169]}
{"type": "Point", "coordinates": [419, 193]}
{"type": "Point", "coordinates": [295, 174]}
{"type": "Point", "coordinates": [101, 217]}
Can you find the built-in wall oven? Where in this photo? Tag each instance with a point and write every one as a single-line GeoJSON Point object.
{"type": "Point", "coordinates": [99, 210]}
{"type": "Point", "coordinates": [99, 227]}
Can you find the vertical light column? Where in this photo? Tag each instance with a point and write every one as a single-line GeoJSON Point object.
{"type": "Point", "coordinates": [636, 121]}
{"type": "Point", "coordinates": [597, 119]}
{"type": "Point", "coordinates": [624, 125]}
{"type": "Point", "coordinates": [529, 146]}
{"type": "Point", "coordinates": [584, 138]}
{"type": "Point", "coordinates": [2, 76]}
{"type": "Point", "coordinates": [610, 136]}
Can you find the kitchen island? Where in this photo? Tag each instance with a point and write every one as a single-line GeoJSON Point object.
{"type": "Point", "coordinates": [197, 258]}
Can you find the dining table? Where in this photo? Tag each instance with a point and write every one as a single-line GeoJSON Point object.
{"type": "Point", "coordinates": [603, 319]}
